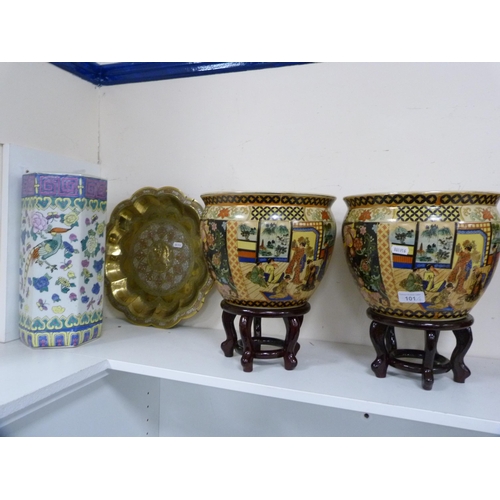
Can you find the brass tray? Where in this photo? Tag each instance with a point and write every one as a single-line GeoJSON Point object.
{"type": "Point", "coordinates": [155, 271]}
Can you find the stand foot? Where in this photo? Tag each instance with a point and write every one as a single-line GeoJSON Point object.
{"type": "Point", "coordinates": [378, 332]}
{"type": "Point", "coordinates": [229, 344]}
{"type": "Point", "coordinates": [464, 341]}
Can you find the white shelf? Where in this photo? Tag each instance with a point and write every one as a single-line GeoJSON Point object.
{"type": "Point", "coordinates": [328, 374]}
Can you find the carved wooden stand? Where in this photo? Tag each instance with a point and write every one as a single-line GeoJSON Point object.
{"type": "Point", "coordinates": [384, 341]}
{"type": "Point", "coordinates": [250, 346]}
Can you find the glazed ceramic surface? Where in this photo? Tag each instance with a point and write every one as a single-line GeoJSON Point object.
{"type": "Point", "coordinates": [422, 256]}
{"type": "Point", "coordinates": [62, 259]}
{"type": "Point", "coordinates": [155, 270]}
{"type": "Point", "coordinates": [267, 250]}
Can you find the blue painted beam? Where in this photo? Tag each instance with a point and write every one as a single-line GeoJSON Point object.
{"type": "Point", "coordinates": [121, 73]}
{"type": "Point", "coordinates": [91, 72]}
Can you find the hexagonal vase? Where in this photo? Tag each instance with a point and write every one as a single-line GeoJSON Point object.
{"type": "Point", "coordinates": [62, 259]}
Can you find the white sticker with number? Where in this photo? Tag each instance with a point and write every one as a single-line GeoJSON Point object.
{"type": "Point", "coordinates": [415, 297]}
{"type": "Point", "coordinates": [178, 244]}
{"type": "Point", "coordinates": [400, 250]}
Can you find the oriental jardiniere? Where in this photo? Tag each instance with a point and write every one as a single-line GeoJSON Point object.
{"type": "Point", "coordinates": [422, 256]}
{"type": "Point", "coordinates": [267, 250]}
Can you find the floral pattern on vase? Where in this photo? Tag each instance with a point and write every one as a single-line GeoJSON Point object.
{"type": "Point", "coordinates": [62, 259]}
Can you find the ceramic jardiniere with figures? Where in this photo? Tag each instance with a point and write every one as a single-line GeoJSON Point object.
{"type": "Point", "coordinates": [267, 250]}
{"type": "Point", "coordinates": [422, 256]}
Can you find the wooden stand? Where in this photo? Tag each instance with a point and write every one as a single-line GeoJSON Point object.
{"type": "Point", "coordinates": [250, 346]}
{"type": "Point", "coordinates": [384, 341]}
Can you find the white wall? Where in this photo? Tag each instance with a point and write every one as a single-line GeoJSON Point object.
{"type": "Point", "coordinates": [43, 107]}
{"type": "Point", "coordinates": [329, 128]}
{"type": "Point", "coordinates": [338, 129]}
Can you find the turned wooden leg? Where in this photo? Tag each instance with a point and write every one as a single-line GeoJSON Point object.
{"type": "Point", "coordinates": [377, 336]}
{"type": "Point", "coordinates": [294, 346]}
{"type": "Point", "coordinates": [390, 339]}
{"type": "Point", "coordinates": [291, 346]}
{"type": "Point", "coordinates": [257, 332]}
{"type": "Point", "coordinates": [300, 319]}
{"type": "Point", "coordinates": [257, 327]}
{"type": "Point", "coordinates": [431, 340]}
{"type": "Point", "coordinates": [246, 340]}
{"type": "Point", "coordinates": [230, 343]}
{"type": "Point", "coordinates": [464, 341]}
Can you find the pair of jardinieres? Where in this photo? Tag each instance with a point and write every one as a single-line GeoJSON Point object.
{"type": "Point", "coordinates": [419, 256]}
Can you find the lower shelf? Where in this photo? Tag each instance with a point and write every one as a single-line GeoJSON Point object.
{"type": "Point", "coordinates": [128, 405]}
{"type": "Point", "coordinates": [329, 375]}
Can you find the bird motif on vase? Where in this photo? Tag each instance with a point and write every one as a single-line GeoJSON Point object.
{"type": "Point", "coordinates": [44, 250]}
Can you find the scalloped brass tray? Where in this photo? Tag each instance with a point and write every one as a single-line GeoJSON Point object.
{"type": "Point", "coordinates": [155, 271]}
